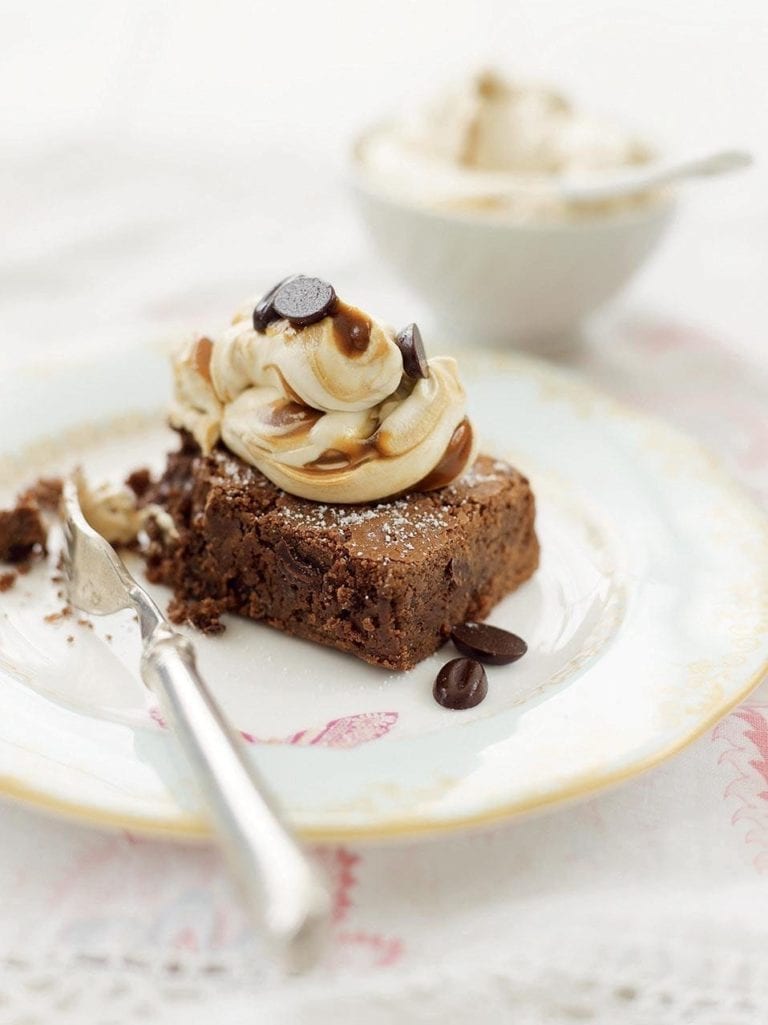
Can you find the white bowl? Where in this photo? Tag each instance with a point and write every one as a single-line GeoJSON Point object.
{"type": "Point", "coordinates": [506, 283]}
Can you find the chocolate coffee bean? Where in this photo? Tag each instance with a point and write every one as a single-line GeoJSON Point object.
{"type": "Point", "coordinates": [264, 313]}
{"type": "Point", "coordinates": [461, 683]}
{"type": "Point", "coordinates": [410, 343]}
{"type": "Point", "coordinates": [303, 300]}
{"type": "Point", "coordinates": [489, 643]}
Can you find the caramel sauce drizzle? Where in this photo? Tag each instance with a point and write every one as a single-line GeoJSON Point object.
{"type": "Point", "coordinates": [453, 461]}
{"type": "Point", "coordinates": [450, 466]}
{"type": "Point", "coordinates": [351, 329]}
{"type": "Point", "coordinates": [202, 357]}
{"type": "Point", "coordinates": [350, 453]}
{"type": "Point", "coordinates": [293, 395]}
{"type": "Point", "coordinates": [294, 416]}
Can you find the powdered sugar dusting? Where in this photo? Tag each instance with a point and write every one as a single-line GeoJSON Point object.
{"type": "Point", "coordinates": [386, 530]}
{"type": "Point", "coordinates": [479, 474]}
{"type": "Point", "coordinates": [392, 528]}
{"type": "Point", "coordinates": [239, 472]}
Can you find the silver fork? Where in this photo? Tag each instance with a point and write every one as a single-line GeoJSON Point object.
{"type": "Point", "coordinates": [282, 890]}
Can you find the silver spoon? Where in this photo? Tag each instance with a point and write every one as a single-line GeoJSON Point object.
{"type": "Point", "coordinates": [651, 176]}
{"type": "Point", "coordinates": [283, 892]}
{"type": "Point", "coordinates": [596, 188]}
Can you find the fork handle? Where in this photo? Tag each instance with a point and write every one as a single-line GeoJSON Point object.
{"type": "Point", "coordinates": [280, 886]}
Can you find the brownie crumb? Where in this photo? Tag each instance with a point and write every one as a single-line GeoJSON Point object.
{"type": "Point", "coordinates": [46, 492]}
{"type": "Point", "coordinates": [22, 532]}
{"type": "Point", "coordinates": [85, 622]}
{"type": "Point", "coordinates": [205, 614]}
{"type": "Point", "coordinates": [7, 580]}
{"type": "Point", "coordinates": [140, 481]}
{"type": "Point", "coordinates": [56, 617]}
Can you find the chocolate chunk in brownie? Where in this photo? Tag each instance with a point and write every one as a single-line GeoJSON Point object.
{"type": "Point", "coordinates": [385, 581]}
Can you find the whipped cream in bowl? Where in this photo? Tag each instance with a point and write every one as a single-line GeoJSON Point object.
{"type": "Point", "coordinates": [326, 409]}
{"type": "Point", "coordinates": [495, 148]}
{"type": "Point", "coordinates": [463, 197]}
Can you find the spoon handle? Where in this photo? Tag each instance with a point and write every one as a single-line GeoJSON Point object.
{"type": "Point", "coordinates": [593, 190]}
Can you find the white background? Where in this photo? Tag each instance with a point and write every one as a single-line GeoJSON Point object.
{"type": "Point", "coordinates": [222, 71]}
{"type": "Point", "coordinates": [160, 161]}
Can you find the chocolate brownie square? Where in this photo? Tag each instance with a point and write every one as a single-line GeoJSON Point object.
{"type": "Point", "coordinates": [385, 581]}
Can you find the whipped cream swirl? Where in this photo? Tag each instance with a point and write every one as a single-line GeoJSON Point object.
{"type": "Point", "coordinates": [325, 411]}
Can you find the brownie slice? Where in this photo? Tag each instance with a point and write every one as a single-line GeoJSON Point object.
{"type": "Point", "coordinates": [385, 581]}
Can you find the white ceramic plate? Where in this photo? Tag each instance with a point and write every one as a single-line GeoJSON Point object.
{"type": "Point", "coordinates": [647, 620]}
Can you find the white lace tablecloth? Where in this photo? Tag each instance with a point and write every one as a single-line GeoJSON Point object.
{"type": "Point", "coordinates": [647, 904]}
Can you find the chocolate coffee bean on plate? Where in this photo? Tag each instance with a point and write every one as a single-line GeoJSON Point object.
{"type": "Point", "coordinates": [411, 345]}
{"type": "Point", "coordinates": [303, 300]}
{"type": "Point", "coordinates": [488, 643]}
{"type": "Point", "coordinates": [461, 683]}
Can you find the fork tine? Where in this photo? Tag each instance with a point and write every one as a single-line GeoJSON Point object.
{"type": "Point", "coordinates": [96, 579]}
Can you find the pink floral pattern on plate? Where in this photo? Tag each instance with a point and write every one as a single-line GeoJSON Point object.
{"type": "Point", "coordinates": [347, 731]}
{"type": "Point", "coordinates": [344, 732]}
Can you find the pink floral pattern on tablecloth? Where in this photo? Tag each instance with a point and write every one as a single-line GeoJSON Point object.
{"type": "Point", "coordinates": [356, 946]}
{"type": "Point", "coordinates": [744, 737]}
{"type": "Point", "coordinates": [688, 376]}
{"type": "Point", "coordinates": [200, 913]}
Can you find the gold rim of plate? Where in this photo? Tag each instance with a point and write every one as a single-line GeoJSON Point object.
{"type": "Point", "coordinates": [195, 828]}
